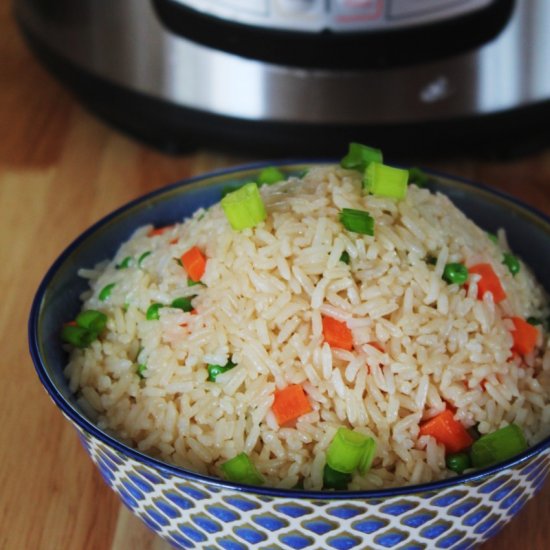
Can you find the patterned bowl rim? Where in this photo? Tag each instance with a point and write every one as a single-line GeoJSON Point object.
{"type": "Point", "coordinates": [535, 216]}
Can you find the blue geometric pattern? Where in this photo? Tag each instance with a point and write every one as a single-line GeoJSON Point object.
{"type": "Point", "coordinates": [189, 514]}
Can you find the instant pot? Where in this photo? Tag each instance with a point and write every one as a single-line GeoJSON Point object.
{"type": "Point", "coordinates": [306, 76]}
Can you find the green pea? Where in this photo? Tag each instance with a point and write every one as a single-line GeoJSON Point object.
{"type": "Point", "coordinates": [511, 262]}
{"type": "Point", "coordinates": [458, 462]}
{"type": "Point", "coordinates": [106, 292]}
{"type": "Point", "coordinates": [152, 313]}
{"type": "Point", "coordinates": [455, 273]}
{"type": "Point", "coordinates": [214, 370]}
{"type": "Point", "coordinates": [270, 175]}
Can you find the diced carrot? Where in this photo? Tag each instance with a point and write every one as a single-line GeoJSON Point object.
{"type": "Point", "coordinates": [448, 431]}
{"type": "Point", "coordinates": [194, 262]}
{"type": "Point", "coordinates": [525, 336]}
{"type": "Point", "coordinates": [159, 230]}
{"type": "Point", "coordinates": [336, 333]}
{"type": "Point", "coordinates": [290, 403]}
{"type": "Point", "coordinates": [489, 282]}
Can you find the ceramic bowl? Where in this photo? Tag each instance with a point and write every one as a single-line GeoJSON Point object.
{"type": "Point", "coordinates": [194, 511]}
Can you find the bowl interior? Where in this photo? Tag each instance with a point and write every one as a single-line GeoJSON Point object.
{"type": "Point", "coordinates": [57, 299]}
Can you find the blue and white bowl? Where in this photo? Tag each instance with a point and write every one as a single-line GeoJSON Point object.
{"type": "Point", "coordinates": [195, 511]}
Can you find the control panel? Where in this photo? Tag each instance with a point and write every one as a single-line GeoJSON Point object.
{"type": "Point", "coordinates": [335, 15]}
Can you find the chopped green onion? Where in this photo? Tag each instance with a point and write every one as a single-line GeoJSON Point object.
{"type": "Point", "coordinates": [226, 189]}
{"type": "Point", "coordinates": [152, 313]}
{"type": "Point", "coordinates": [190, 281]}
{"type": "Point", "coordinates": [214, 370]}
{"type": "Point", "coordinates": [184, 303]}
{"type": "Point", "coordinates": [368, 456]}
{"type": "Point", "coordinates": [92, 320]}
{"type": "Point", "coordinates": [431, 260]}
{"type": "Point", "coordinates": [455, 273]}
{"type": "Point", "coordinates": [141, 368]}
{"type": "Point", "coordinates": [360, 156]}
{"type": "Point", "coordinates": [125, 263]}
{"type": "Point", "coordinates": [333, 479]}
{"type": "Point", "coordinates": [79, 337]}
{"type": "Point", "coordinates": [357, 221]}
{"type": "Point", "coordinates": [534, 321]}
{"type": "Point", "coordinates": [241, 470]}
{"type": "Point", "coordinates": [386, 181]}
{"type": "Point", "coordinates": [458, 462]}
{"type": "Point", "coordinates": [106, 292]}
{"type": "Point", "coordinates": [179, 262]}
{"type": "Point", "coordinates": [498, 446]}
{"type": "Point", "coordinates": [511, 262]}
{"type": "Point", "coordinates": [270, 175]}
{"type": "Point", "coordinates": [244, 207]}
{"type": "Point", "coordinates": [344, 257]}
{"type": "Point", "coordinates": [142, 257]}
{"type": "Point", "coordinates": [418, 177]}
{"type": "Point", "coordinates": [347, 449]}
{"type": "Point", "coordinates": [492, 237]}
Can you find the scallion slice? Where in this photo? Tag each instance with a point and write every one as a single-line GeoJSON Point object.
{"type": "Point", "coordinates": [368, 456]}
{"type": "Point", "coordinates": [386, 181]}
{"type": "Point", "coordinates": [92, 320]}
{"type": "Point", "coordinates": [106, 292]}
{"type": "Point", "coordinates": [358, 221]}
{"type": "Point", "coordinates": [360, 156]}
{"type": "Point", "coordinates": [140, 370]}
{"type": "Point", "coordinates": [498, 446]}
{"type": "Point", "coordinates": [344, 257]}
{"type": "Point", "coordinates": [78, 336]}
{"type": "Point", "coordinates": [240, 469]}
{"type": "Point", "coordinates": [332, 479]}
{"type": "Point", "coordinates": [492, 237]}
{"type": "Point", "coordinates": [152, 313]}
{"type": "Point", "coordinates": [418, 177]}
{"type": "Point", "coordinates": [125, 263]}
{"type": "Point", "coordinates": [244, 207]}
{"type": "Point", "coordinates": [142, 257]}
{"type": "Point", "coordinates": [347, 449]}
{"type": "Point", "coordinates": [270, 175]}
{"type": "Point", "coordinates": [183, 303]}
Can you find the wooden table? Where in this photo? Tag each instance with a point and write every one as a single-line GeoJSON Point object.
{"type": "Point", "coordinates": [60, 170]}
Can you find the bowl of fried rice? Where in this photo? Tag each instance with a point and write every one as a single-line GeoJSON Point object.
{"type": "Point", "coordinates": [296, 354]}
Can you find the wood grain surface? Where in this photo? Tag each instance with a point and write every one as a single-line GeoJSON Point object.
{"type": "Point", "coordinates": [60, 170]}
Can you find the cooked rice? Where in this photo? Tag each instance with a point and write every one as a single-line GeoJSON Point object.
{"type": "Point", "coordinates": [266, 291]}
